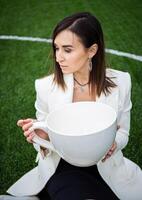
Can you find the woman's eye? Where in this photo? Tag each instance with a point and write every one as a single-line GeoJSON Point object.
{"type": "Point", "coordinates": [56, 49]}
{"type": "Point", "coordinates": [68, 50]}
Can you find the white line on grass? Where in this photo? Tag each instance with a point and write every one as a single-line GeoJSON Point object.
{"type": "Point", "coordinates": [21, 38]}
{"type": "Point", "coordinates": [37, 39]}
{"type": "Point", "coordinates": [124, 54]}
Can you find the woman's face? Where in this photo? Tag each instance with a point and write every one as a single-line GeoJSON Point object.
{"type": "Point", "coordinates": [71, 55]}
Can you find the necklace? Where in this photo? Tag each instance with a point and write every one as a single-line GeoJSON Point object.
{"type": "Point", "coordinates": [81, 85]}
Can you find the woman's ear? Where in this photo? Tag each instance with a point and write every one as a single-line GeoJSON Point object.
{"type": "Point", "coordinates": [93, 50]}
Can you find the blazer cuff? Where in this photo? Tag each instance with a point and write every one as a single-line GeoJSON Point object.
{"type": "Point", "coordinates": [121, 140]}
{"type": "Point", "coordinates": [37, 147]}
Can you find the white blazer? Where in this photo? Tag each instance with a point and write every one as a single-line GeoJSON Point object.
{"type": "Point", "coordinates": [122, 175]}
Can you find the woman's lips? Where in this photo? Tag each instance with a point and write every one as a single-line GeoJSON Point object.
{"type": "Point", "coordinates": [62, 66]}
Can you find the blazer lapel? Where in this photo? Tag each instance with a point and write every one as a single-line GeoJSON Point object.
{"type": "Point", "coordinates": [57, 97]}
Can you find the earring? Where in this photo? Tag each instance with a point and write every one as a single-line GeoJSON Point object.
{"type": "Point", "coordinates": [90, 65]}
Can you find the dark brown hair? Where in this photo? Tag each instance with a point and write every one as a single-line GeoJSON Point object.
{"type": "Point", "coordinates": [87, 27]}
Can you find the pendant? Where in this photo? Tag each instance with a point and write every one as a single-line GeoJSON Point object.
{"type": "Point", "coordinates": [82, 89]}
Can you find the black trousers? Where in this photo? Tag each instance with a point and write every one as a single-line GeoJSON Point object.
{"type": "Point", "coordinates": [76, 183]}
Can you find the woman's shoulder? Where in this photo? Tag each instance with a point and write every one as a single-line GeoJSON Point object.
{"type": "Point", "coordinates": [44, 80]}
{"type": "Point", "coordinates": [117, 73]}
{"type": "Point", "coordinates": [119, 77]}
{"type": "Point", "coordinates": [44, 83]}
{"type": "Point", "coordinates": [123, 86]}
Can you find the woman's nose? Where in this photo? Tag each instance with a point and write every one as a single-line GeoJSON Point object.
{"type": "Point", "coordinates": [59, 57]}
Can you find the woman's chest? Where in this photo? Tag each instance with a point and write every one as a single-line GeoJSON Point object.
{"type": "Point", "coordinates": [82, 95]}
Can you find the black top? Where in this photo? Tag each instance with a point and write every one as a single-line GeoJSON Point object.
{"type": "Point", "coordinates": [76, 183]}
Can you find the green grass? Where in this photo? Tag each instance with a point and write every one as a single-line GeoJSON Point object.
{"type": "Point", "coordinates": [22, 62]}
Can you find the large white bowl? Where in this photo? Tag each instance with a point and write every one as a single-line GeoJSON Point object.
{"type": "Point", "coordinates": [81, 132]}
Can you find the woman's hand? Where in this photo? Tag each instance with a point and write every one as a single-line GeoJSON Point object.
{"type": "Point", "coordinates": [110, 152]}
{"type": "Point", "coordinates": [26, 124]}
{"type": "Point", "coordinates": [112, 149]}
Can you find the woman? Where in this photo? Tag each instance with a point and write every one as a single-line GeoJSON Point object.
{"type": "Point", "coordinates": [80, 75]}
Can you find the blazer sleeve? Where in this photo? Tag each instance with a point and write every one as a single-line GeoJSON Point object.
{"type": "Point", "coordinates": [125, 106]}
{"type": "Point", "coordinates": [41, 105]}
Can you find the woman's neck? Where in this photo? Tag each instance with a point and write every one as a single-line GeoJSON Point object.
{"type": "Point", "coordinates": [82, 76]}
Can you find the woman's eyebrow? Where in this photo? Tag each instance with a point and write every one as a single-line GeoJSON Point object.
{"type": "Point", "coordinates": [67, 46]}
{"type": "Point", "coordinates": [64, 45]}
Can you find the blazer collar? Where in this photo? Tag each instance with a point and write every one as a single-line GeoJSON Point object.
{"type": "Point", "coordinates": [110, 99]}
{"type": "Point", "coordinates": [58, 97]}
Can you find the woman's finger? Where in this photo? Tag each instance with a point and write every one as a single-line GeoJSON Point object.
{"type": "Point", "coordinates": [114, 146]}
{"type": "Point", "coordinates": [30, 137]}
{"type": "Point", "coordinates": [106, 157]}
{"type": "Point", "coordinates": [110, 152]}
{"type": "Point", "coordinates": [27, 126]}
{"type": "Point", "coordinates": [28, 132]}
{"type": "Point", "coordinates": [22, 122]}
